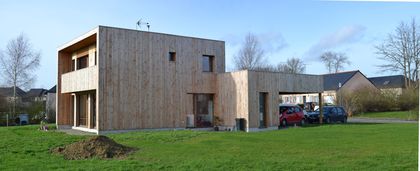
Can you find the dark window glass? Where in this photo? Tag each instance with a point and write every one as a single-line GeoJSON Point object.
{"type": "Point", "coordinates": [72, 65]}
{"type": "Point", "coordinates": [203, 110]}
{"type": "Point", "coordinates": [172, 56]}
{"type": "Point", "coordinates": [82, 62]}
{"type": "Point", "coordinates": [340, 111]}
{"type": "Point", "coordinates": [334, 110]}
{"type": "Point", "coordinates": [95, 57]}
{"type": "Point", "coordinates": [207, 63]}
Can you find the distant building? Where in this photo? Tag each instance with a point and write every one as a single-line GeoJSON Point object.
{"type": "Point", "coordinates": [36, 95]}
{"type": "Point", "coordinates": [393, 83]}
{"type": "Point", "coordinates": [7, 94]}
{"type": "Point", "coordinates": [50, 107]}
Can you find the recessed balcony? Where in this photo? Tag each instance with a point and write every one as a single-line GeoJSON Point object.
{"type": "Point", "coordinates": [80, 80]}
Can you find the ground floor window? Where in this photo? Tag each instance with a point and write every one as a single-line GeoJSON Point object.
{"type": "Point", "coordinates": [82, 109]}
{"type": "Point", "coordinates": [84, 105]}
{"type": "Point", "coordinates": [203, 110]}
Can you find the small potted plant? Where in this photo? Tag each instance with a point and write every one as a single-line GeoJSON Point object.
{"type": "Point", "coordinates": [217, 123]}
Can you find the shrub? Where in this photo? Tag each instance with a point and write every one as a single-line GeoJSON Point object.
{"type": "Point", "coordinates": [371, 100]}
{"type": "Point", "coordinates": [409, 99]}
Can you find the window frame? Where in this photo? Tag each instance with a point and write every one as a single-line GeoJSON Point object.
{"type": "Point", "coordinates": [211, 63]}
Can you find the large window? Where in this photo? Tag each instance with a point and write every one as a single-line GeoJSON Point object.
{"type": "Point", "coordinates": [203, 109]}
{"type": "Point", "coordinates": [82, 109]}
{"type": "Point", "coordinates": [207, 63]}
{"type": "Point", "coordinates": [82, 62]}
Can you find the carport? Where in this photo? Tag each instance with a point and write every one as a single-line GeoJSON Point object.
{"type": "Point", "coordinates": [254, 96]}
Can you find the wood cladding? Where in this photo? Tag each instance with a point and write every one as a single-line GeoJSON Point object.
{"type": "Point", "coordinates": [140, 88]}
{"type": "Point", "coordinates": [80, 80]}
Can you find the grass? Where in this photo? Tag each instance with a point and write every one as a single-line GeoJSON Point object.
{"type": "Point", "coordinates": [327, 147]}
{"type": "Point", "coordinates": [403, 115]}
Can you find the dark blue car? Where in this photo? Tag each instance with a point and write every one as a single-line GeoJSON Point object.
{"type": "Point", "coordinates": [330, 114]}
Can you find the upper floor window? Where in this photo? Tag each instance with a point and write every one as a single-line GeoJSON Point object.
{"type": "Point", "coordinates": [73, 65]}
{"type": "Point", "coordinates": [82, 62]}
{"type": "Point", "coordinates": [172, 56]}
{"type": "Point", "coordinates": [207, 63]}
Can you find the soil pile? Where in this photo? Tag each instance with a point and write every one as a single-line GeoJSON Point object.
{"type": "Point", "coordinates": [98, 146]}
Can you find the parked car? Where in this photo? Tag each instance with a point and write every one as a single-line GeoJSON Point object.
{"type": "Point", "coordinates": [291, 114]}
{"type": "Point", "coordinates": [330, 114]}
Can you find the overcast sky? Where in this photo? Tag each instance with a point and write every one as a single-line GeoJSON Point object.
{"type": "Point", "coordinates": [287, 29]}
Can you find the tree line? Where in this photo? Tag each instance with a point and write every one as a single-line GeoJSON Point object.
{"type": "Point", "coordinates": [251, 56]}
{"type": "Point", "coordinates": [399, 51]}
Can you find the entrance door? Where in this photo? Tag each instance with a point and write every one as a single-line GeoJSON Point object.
{"type": "Point", "coordinates": [203, 110]}
{"type": "Point", "coordinates": [263, 110]}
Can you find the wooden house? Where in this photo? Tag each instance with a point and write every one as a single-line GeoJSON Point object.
{"type": "Point", "coordinates": [113, 79]}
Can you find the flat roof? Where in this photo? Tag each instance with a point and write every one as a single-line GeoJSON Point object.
{"type": "Point", "coordinates": [91, 36]}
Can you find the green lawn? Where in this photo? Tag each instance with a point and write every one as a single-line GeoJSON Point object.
{"type": "Point", "coordinates": [404, 115]}
{"type": "Point", "coordinates": [328, 147]}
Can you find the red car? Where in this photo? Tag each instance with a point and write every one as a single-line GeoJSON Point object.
{"type": "Point", "coordinates": [291, 114]}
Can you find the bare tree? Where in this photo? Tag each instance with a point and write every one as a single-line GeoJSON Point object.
{"type": "Point", "coordinates": [401, 52]}
{"type": "Point", "coordinates": [292, 66]}
{"type": "Point", "coordinates": [334, 61]}
{"type": "Point", "coordinates": [18, 62]}
{"type": "Point", "coordinates": [251, 55]}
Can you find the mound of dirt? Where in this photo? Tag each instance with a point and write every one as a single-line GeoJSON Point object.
{"type": "Point", "coordinates": [98, 146]}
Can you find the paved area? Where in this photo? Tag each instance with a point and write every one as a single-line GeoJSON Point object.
{"type": "Point", "coordinates": [75, 132]}
{"type": "Point", "coordinates": [377, 120]}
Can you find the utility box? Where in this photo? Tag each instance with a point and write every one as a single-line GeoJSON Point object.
{"type": "Point", "coordinates": [190, 121]}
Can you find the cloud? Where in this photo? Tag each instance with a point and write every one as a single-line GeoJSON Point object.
{"type": "Point", "coordinates": [271, 42]}
{"type": "Point", "coordinates": [343, 36]}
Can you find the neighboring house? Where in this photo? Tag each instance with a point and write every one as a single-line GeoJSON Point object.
{"type": "Point", "coordinates": [393, 83]}
{"type": "Point", "coordinates": [113, 79]}
{"type": "Point", "coordinates": [347, 81]}
{"type": "Point", "coordinates": [35, 95]}
{"type": "Point", "coordinates": [50, 104]}
{"type": "Point", "coordinates": [7, 94]}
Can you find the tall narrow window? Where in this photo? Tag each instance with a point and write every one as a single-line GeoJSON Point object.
{"type": "Point", "coordinates": [73, 65]}
{"type": "Point", "coordinates": [207, 63]}
{"type": "Point", "coordinates": [95, 58]}
{"type": "Point", "coordinates": [172, 56]}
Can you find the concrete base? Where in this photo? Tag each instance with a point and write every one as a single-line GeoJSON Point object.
{"type": "Point", "coordinates": [85, 129]}
{"type": "Point", "coordinates": [63, 127]}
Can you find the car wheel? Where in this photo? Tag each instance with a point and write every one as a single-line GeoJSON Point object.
{"type": "Point", "coordinates": [284, 122]}
{"type": "Point", "coordinates": [302, 122]}
{"type": "Point", "coordinates": [328, 121]}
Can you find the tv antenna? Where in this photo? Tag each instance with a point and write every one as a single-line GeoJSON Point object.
{"type": "Point", "coordinates": [140, 23]}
